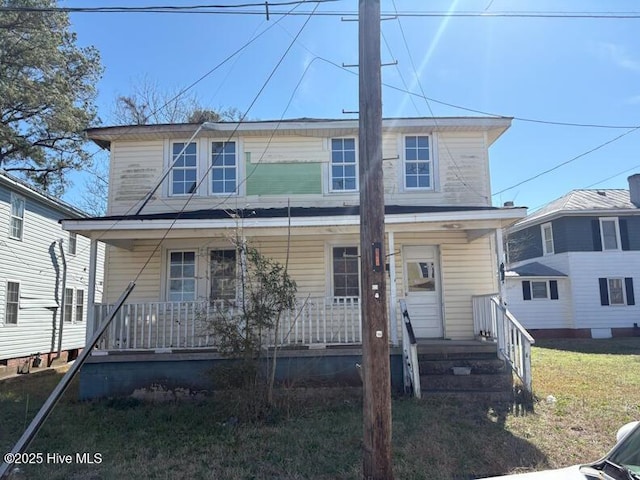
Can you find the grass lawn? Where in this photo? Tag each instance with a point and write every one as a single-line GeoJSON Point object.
{"type": "Point", "coordinates": [318, 436]}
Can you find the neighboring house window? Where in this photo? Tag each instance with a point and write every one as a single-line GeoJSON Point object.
{"type": "Point", "coordinates": [547, 239]}
{"type": "Point", "coordinates": [13, 303]}
{"type": "Point", "coordinates": [79, 305]}
{"type": "Point", "coordinates": [346, 277]}
{"type": "Point", "coordinates": [182, 276]}
{"type": "Point", "coordinates": [610, 233]}
{"type": "Point", "coordinates": [417, 162]}
{"type": "Point", "coordinates": [73, 243]}
{"type": "Point", "coordinates": [540, 290]}
{"type": "Point", "coordinates": [68, 304]}
{"type": "Point", "coordinates": [16, 224]}
{"type": "Point", "coordinates": [185, 169]}
{"type": "Point", "coordinates": [224, 169]}
{"type": "Point", "coordinates": [344, 167]}
{"type": "Point", "coordinates": [616, 291]}
{"type": "Point", "coordinates": [223, 274]}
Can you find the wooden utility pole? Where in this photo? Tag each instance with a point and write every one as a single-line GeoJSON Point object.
{"type": "Point", "coordinates": [375, 330]}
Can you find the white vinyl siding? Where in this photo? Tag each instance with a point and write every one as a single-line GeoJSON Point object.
{"type": "Point", "coordinates": [610, 233]}
{"type": "Point", "coordinates": [547, 239]}
{"type": "Point", "coordinates": [16, 217]}
{"type": "Point", "coordinates": [12, 303]}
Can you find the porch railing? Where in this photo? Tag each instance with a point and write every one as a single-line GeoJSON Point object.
{"type": "Point", "coordinates": [493, 321]}
{"type": "Point", "coordinates": [171, 325]}
{"type": "Point", "coordinates": [410, 363]}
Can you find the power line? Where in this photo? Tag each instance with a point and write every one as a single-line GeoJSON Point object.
{"type": "Point", "coordinates": [567, 161]}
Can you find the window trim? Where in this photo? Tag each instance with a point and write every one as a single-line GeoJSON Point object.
{"type": "Point", "coordinates": [5, 322]}
{"type": "Point", "coordinates": [167, 289]}
{"type": "Point", "coordinates": [12, 217]}
{"type": "Point", "coordinates": [171, 162]}
{"type": "Point", "coordinates": [356, 165]}
{"type": "Point", "coordinates": [552, 291]}
{"type": "Point", "coordinates": [545, 250]}
{"type": "Point", "coordinates": [68, 306]}
{"type": "Point", "coordinates": [72, 247]}
{"type": "Point", "coordinates": [237, 273]}
{"type": "Point", "coordinates": [622, 289]}
{"type": "Point", "coordinates": [210, 167]}
{"type": "Point", "coordinates": [431, 163]}
{"type": "Point", "coordinates": [77, 304]}
{"type": "Point", "coordinates": [617, 231]}
{"type": "Point", "coordinates": [330, 272]}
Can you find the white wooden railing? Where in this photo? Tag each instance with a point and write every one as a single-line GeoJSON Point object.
{"type": "Point", "coordinates": [173, 325]}
{"type": "Point", "coordinates": [410, 365]}
{"type": "Point", "coordinates": [492, 321]}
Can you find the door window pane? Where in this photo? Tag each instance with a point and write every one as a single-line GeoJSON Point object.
{"type": "Point", "coordinates": [421, 276]}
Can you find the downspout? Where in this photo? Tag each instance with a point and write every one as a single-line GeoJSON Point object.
{"type": "Point", "coordinates": [63, 296]}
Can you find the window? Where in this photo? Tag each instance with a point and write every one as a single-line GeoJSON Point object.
{"type": "Point", "coordinates": [616, 291]}
{"type": "Point", "coordinates": [16, 224]}
{"type": "Point", "coordinates": [417, 162]}
{"type": "Point", "coordinates": [344, 174]}
{"type": "Point", "coordinates": [13, 303]}
{"type": "Point", "coordinates": [346, 277]}
{"type": "Point", "coordinates": [540, 289]}
{"type": "Point", "coordinates": [223, 270]}
{"type": "Point", "coordinates": [79, 305]}
{"type": "Point", "coordinates": [182, 276]}
{"type": "Point", "coordinates": [185, 168]}
{"type": "Point", "coordinates": [610, 233]}
{"type": "Point", "coordinates": [224, 169]}
{"type": "Point", "coordinates": [421, 276]}
{"type": "Point", "coordinates": [73, 243]}
{"type": "Point", "coordinates": [547, 239]}
{"type": "Point", "coordinates": [68, 305]}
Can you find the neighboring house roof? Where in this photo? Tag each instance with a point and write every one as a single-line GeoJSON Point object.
{"type": "Point", "coordinates": [103, 136]}
{"type": "Point", "coordinates": [582, 202]}
{"type": "Point", "coordinates": [534, 269]}
{"type": "Point", "coordinates": [23, 188]}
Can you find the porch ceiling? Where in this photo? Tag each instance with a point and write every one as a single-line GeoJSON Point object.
{"type": "Point", "coordinates": [121, 232]}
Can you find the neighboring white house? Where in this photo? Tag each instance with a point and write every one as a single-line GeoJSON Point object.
{"type": "Point", "coordinates": [575, 265]}
{"type": "Point", "coordinates": [295, 182]}
{"type": "Point", "coordinates": [44, 276]}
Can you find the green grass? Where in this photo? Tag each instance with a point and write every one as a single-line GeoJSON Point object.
{"type": "Point", "coordinates": [317, 434]}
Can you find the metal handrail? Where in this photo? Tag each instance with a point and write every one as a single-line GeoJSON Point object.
{"type": "Point", "coordinates": [410, 363]}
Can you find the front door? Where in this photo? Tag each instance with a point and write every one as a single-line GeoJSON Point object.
{"type": "Point", "coordinates": [422, 290]}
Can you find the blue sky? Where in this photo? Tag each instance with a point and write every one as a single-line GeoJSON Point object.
{"type": "Point", "coordinates": [574, 70]}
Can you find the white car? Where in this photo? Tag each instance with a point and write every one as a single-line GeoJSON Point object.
{"type": "Point", "coordinates": [621, 463]}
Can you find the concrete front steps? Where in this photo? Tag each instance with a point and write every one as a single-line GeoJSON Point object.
{"type": "Point", "coordinates": [469, 373]}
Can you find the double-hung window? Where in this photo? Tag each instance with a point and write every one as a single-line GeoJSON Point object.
{"type": "Point", "coordinates": [16, 222]}
{"type": "Point", "coordinates": [73, 243]}
{"type": "Point", "coordinates": [224, 168]}
{"type": "Point", "coordinates": [345, 274]}
{"type": "Point", "coordinates": [79, 305]}
{"type": "Point", "coordinates": [223, 275]}
{"type": "Point", "coordinates": [68, 305]}
{"type": "Point", "coordinates": [418, 164]}
{"type": "Point", "coordinates": [610, 233]}
{"type": "Point", "coordinates": [182, 276]}
{"type": "Point", "coordinates": [540, 289]}
{"type": "Point", "coordinates": [12, 303]}
{"type": "Point", "coordinates": [185, 168]}
{"type": "Point", "coordinates": [616, 291]}
{"type": "Point", "coordinates": [547, 239]}
{"type": "Point", "coordinates": [344, 165]}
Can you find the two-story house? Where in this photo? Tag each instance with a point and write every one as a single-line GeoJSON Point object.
{"type": "Point", "coordinates": [44, 277]}
{"type": "Point", "coordinates": [295, 182]}
{"type": "Point", "coordinates": [575, 264]}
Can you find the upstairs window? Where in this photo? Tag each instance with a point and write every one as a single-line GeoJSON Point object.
{"type": "Point", "coordinates": [610, 233]}
{"type": "Point", "coordinates": [418, 164]}
{"type": "Point", "coordinates": [182, 276]}
{"type": "Point", "coordinates": [344, 168]}
{"type": "Point", "coordinates": [73, 243]}
{"type": "Point", "coordinates": [13, 303]}
{"type": "Point", "coordinates": [16, 222]}
{"type": "Point", "coordinates": [346, 276]}
{"type": "Point", "coordinates": [223, 274]}
{"type": "Point", "coordinates": [547, 239]}
{"type": "Point", "coordinates": [185, 168]}
{"type": "Point", "coordinates": [224, 167]}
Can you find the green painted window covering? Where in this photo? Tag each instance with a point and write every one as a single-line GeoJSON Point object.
{"type": "Point", "coordinates": [283, 178]}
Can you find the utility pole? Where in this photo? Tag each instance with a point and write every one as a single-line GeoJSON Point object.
{"type": "Point", "coordinates": [375, 330]}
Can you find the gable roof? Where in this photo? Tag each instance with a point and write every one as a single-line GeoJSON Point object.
{"type": "Point", "coordinates": [534, 269]}
{"type": "Point", "coordinates": [583, 202]}
{"type": "Point", "coordinates": [25, 189]}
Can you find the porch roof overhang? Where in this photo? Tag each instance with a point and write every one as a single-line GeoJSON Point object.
{"type": "Point", "coordinates": [122, 230]}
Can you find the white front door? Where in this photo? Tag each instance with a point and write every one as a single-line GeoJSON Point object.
{"type": "Point", "coordinates": [422, 290]}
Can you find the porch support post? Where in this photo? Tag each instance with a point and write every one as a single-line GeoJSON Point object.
{"type": "Point", "coordinates": [91, 294]}
{"type": "Point", "coordinates": [393, 293]}
{"type": "Point", "coordinates": [501, 265]}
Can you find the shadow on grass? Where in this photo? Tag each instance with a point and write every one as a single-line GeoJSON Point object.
{"type": "Point", "coordinates": [609, 346]}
